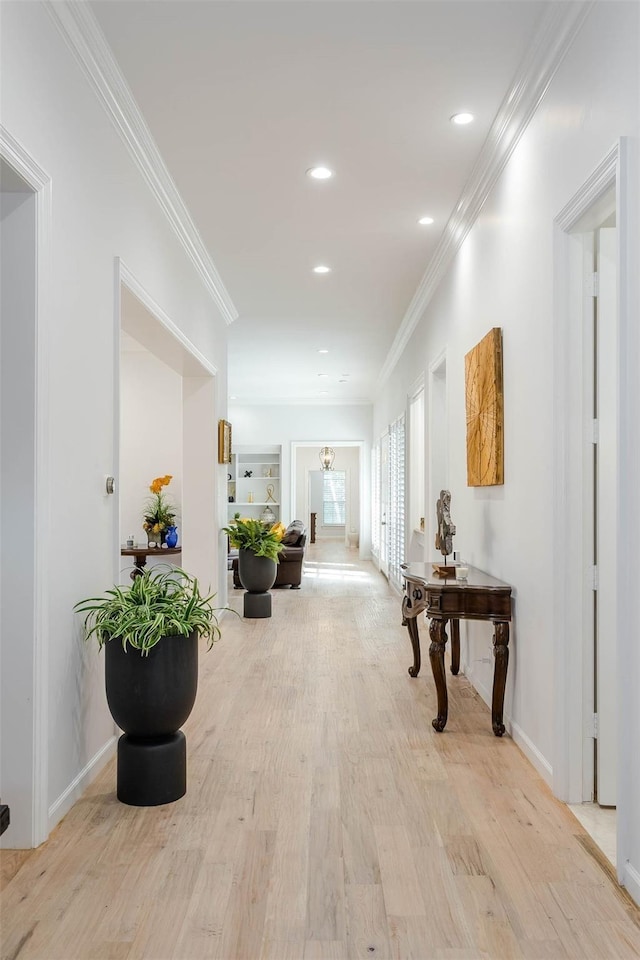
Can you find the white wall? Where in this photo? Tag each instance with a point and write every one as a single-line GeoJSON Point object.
{"type": "Point", "coordinates": [150, 436]}
{"type": "Point", "coordinates": [503, 276]}
{"type": "Point", "coordinates": [102, 210]}
{"type": "Point", "coordinates": [321, 424]}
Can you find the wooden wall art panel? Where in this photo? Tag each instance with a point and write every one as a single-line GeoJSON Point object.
{"type": "Point", "coordinates": [485, 411]}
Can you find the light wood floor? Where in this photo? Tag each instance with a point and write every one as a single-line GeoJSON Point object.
{"type": "Point", "coordinates": [324, 817]}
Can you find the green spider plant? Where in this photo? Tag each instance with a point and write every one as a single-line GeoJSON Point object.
{"type": "Point", "coordinates": [159, 603]}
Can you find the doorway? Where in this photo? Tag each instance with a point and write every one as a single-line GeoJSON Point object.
{"type": "Point", "coordinates": [438, 444]}
{"type": "Point", "coordinates": [167, 424]}
{"type": "Point", "coordinates": [588, 480]}
{"type": "Point", "coordinates": [25, 219]}
{"type": "Point", "coordinates": [596, 235]}
{"type": "Point", "coordinates": [307, 488]}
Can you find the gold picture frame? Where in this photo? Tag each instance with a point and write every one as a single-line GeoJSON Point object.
{"type": "Point", "coordinates": [224, 441]}
{"type": "Point", "coordinates": [485, 411]}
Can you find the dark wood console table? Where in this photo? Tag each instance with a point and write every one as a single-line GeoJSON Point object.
{"type": "Point", "coordinates": [479, 597]}
{"type": "Point", "coordinates": [140, 555]}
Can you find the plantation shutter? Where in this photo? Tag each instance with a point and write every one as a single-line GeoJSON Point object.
{"type": "Point", "coordinates": [375, 501]}
{"type": "Point", "coordinates": [334, 498]}
{"type": "Point", "coordinates": [396, 520]}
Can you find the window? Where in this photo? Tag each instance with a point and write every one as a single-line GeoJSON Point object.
{"type": "Point", "coordinates": [334, 498]}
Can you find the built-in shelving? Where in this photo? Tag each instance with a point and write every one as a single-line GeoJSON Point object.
{"type": "Point", "coordinates": [252, 494]}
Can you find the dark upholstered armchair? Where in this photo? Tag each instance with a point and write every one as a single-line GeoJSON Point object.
{"type": "Point", "coordinates": [289, 572]}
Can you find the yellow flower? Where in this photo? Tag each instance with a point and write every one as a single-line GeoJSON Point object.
{"type": "Point", "coordinates": [160, 482]}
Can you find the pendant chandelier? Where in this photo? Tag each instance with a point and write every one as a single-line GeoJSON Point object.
{"type": "Point", "coordinates": [327, 456]}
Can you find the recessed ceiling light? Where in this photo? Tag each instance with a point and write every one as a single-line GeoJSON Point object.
{"type": "Point", "coordinates": [323, 393]}
{"type": "Point", "coordinates": [322, 269]}
{"type": "Point", "coordinates": [323, 374]}
{"type": "Point", "coordinates": [344, 380]}
{"type": "Point", "coordinates": [425, 221]}
{"type": "Point", "coordinates": [233, 398]}
{"type": "Point", "coordinates": [323, 351]}
{"type": "Point", "coordinates": [462, 118]}
{"type": "Point", "coordinates": [320, 173]}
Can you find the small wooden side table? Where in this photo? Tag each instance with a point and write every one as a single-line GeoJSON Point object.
{"type": "Point", "coordinates": [140, 555]}
{"type": "Point", "coordinates": [479, 597]}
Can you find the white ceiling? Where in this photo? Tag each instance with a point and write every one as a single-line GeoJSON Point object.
{"type": "Point", "coordinates": [243, 97]}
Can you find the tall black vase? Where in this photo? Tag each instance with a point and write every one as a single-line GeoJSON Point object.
{"type": "Point", "coordinates": [257, 575]}
{"type": "Point", "coordinates": [150, 697]}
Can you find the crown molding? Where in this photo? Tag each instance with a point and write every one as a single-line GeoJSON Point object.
{"type": "Point", "coordinates": [297, 402]}
{"type": "Point", "coordinates": [85, 39]}
{"type": "Point", "coordinates": [556, 32]}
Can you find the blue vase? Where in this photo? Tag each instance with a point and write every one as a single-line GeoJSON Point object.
{"type": "Point", "coordinates": [171, 536]}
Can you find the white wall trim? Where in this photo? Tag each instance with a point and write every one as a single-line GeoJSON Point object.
{"type": "Point", "coordinates": [416, 388]}
{"type": "Point", "coordinates": [83, 35]}
{"type": "Point", "coordinates": [15, 155]}
{"type": "Point", "coordinates": [556, 32]}
{"type": "Point", "coordinates": [517, 734]}
{"type": "Point", "coordinates": [630, 880]}
{"type": "Point", "coordinates": [628, 514]}
{"type": "Point", "coordinates": [531, 752]}
{"type": "Point", "coordinates": [437, 362]}
{"type": "Point", "coordinates": [568, 476]}
{"type": "Point", "coordinates": [591, 190]}
{"type": "Point", "coordinates": [620, 166]}
{"type": "Point", "coordinates": [126, 277]}
{"type": "Point", "coordinates": [60, 807]}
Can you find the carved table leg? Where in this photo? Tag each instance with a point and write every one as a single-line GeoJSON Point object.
{"type": "Point", "coordinates": [436, 656]}
{"type": "Point", "coordinates": [455, 647]}
{"type": "Point", "coordinates": [140, 562]}
{"type": "Point", "coordinates": [412, 627]}
{"type": "Point", "coordinates": [501, 655]}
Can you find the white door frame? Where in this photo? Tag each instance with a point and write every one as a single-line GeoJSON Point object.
{"type": "Point", "coordinates": [204, 494]}
{"type": "Point", "coordinates": [416, 461]}
{"type": "Point", "coordinates": [437, 374]}
{"type": "Point", "coordinates": [37, 650]}
{"type": "Point", "coordinates": [567, 527]}
{"type": "Point", "coordinates": [364, 470]}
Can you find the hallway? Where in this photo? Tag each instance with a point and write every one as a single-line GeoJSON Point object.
{"type": "Point", "coordinates": [324, 818]}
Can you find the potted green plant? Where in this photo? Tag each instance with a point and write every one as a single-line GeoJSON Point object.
{"type": "Point", "coordinates": [159, 512]}
{"type": "Point", "coordinates": [258, 545]}
{"type": "Point", "coordinates": [149, 631]}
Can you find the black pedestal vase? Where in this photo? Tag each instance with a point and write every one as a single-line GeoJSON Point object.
{"type": "Point", "coordinates": [257, 575]}
{"type": "Point", "coordinates": [150, 697]}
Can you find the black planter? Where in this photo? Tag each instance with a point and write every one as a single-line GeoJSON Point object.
{"type": "Point", "coordinates": [257, 575]}
{"type": "Point", "coordinates": [150, 697]}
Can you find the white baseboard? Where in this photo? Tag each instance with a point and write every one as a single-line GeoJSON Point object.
{"type": "Point", "coordinates": [531, 752]}
{"type": "Point", "coordinates": [79, 784]}
{"type": "Point", "coordinates": [516, 733]}
{"type": "Point", "coordinates": [631, 881]}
